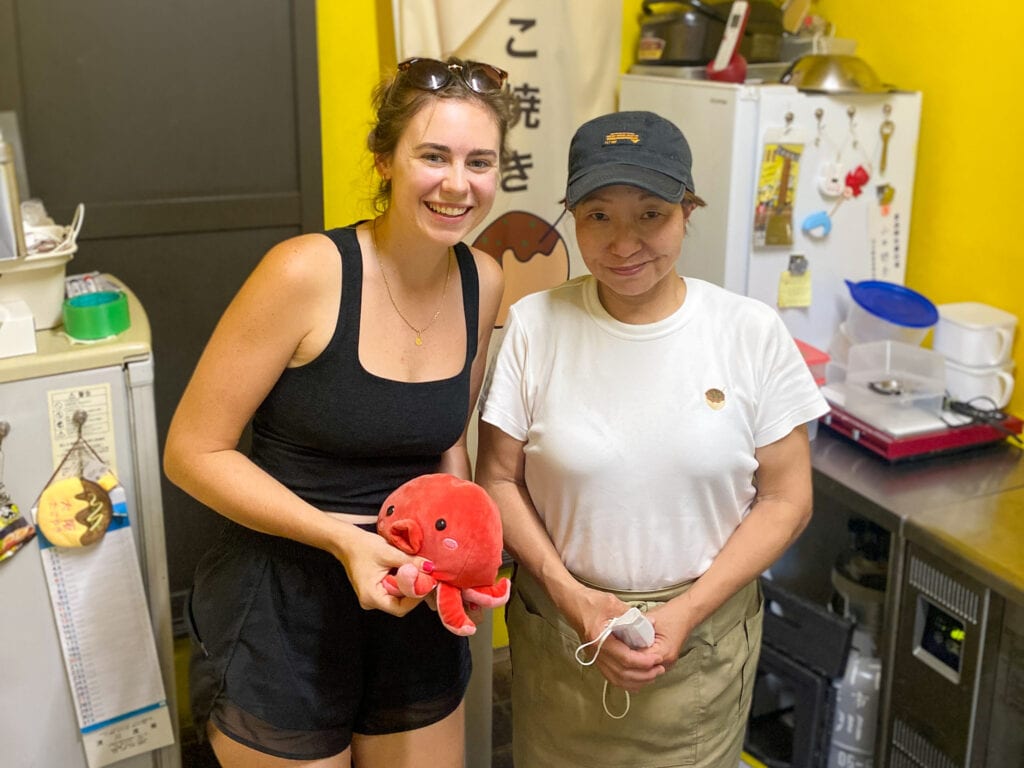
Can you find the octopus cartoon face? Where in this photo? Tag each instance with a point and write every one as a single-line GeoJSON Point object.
{"type": "Point", "coordinates": [531, 252]}
{"type": "Point", "coordinates": [451, 522]}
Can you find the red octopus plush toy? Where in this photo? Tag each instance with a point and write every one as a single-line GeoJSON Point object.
{"type": "Point", "coordinates": [454, 524]}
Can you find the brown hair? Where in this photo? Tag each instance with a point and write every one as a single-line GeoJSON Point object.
{"type": "Point", "coordinates": [690, 203]}
{"type": "Point", "coordinates": [396, 102]}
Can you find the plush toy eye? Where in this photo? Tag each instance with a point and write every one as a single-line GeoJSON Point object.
{"type": "Point", "coordinates": [440, 524]}
{"type": "Point", "coordinates": [390, 510]}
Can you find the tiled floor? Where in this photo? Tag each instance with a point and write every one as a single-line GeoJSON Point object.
{"type": "Point", "coordinates": [200, 756]}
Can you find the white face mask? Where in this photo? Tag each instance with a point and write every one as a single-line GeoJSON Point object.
{"type": "Point", "coordinates": [634, 629]}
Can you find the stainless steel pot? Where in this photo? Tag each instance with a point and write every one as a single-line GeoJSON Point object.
{"type": "Point", "coordinates": [688, 32]}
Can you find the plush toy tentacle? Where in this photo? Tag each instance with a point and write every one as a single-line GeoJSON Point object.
{"type": "Point", "coordinates": [491, 596]}
{"type": "Point", "coordinates": [390, 585]}
{"type": "Point", "coordinates": [408, 581]}
{"type": "Point", "coordinates": [452, 613]}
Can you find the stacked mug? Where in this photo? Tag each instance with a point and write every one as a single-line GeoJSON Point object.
{"type": "Point", "coordinates": [977, 341]}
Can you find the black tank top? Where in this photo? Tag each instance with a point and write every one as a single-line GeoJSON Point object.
{"type": "Point", "coordinates": [341, 438]}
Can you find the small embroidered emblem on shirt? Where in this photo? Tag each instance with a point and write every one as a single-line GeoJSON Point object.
{"type": "Point", "coordinates": [715, 398]}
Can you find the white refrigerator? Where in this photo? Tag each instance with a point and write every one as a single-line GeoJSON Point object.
{"type": "Point", "coordinates": [804, 190]}
{"type": "Point", "coordinates": [71, 662]}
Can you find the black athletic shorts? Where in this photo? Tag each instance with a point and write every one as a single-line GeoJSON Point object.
{"type": "Point", "coordinates": [286, 661]}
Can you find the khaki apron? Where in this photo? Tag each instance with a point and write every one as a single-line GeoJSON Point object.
{"type": "Point", "coordinates": [693, 715]}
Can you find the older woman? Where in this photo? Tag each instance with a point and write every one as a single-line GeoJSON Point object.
{"type": "Point", "coordinates": [643, 435]}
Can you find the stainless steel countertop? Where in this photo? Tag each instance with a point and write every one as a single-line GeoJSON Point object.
{"type": "Point", "coordinates": [968, 506]}
{"type": "Point", "coordinates": [983, 537]}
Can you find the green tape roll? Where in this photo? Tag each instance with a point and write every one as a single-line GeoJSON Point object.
{"type": "Point", "coordinates": [96, 315]}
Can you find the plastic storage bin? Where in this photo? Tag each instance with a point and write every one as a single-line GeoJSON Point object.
{"type": "Point", "coordinates": [39, 282]}
{"type": "Point", "coordinates": [974, 334]}
{"type": "Point", "coordinates": [984, 387]}
{"type": "Point", "coordinates": [38, 278]}
{"type": "Point", "coordinates": [885, 375]}
{"type": "Point", "coordinates": [882, 310]}
{"type": "Point", "coordinates": [816, 360]}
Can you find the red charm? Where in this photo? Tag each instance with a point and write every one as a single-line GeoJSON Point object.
{"type": "Point", "coordinates": [856, 179]}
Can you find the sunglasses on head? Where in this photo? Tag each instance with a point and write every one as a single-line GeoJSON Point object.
{"type": "Point", "coordinates": [433, 75]}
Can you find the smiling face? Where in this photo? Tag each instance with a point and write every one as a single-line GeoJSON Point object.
{"type": "Point", "coordinates": [444, 171]}
{"type": "Point", "coordinates": [630, 240]}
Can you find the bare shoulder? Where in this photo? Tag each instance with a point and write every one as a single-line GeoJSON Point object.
{"type": "Point", "coordinates": [300, 262]}
{"type": "Point", "coordinates": [492, 279]}
{"type": "Point", "coordinates": [289, 302]}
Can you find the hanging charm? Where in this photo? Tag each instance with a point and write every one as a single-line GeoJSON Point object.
{"type": "Point", "coordinates": [776, 188]}
{"type": "Point", "coordinates": [81, 498]}
{"type": "Point", "coordinates": [830, 172]}
{"type": "Point", "coordinates": [15, 530]}
{"type": "Point", "coordinates": [885, 130]}
{"type": "Point", "coordinates": [856, 179]}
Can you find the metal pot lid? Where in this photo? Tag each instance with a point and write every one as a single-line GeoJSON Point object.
{"type": "Point", "coordinates": [895, 303]}
{"type": "Point", "coordinates": [833, 73]}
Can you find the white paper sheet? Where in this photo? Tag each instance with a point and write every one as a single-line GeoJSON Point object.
{"type": "Point", "coordinates": [99, 604]}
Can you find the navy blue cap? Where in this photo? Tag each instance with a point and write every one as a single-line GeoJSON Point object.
{"type": "Point", "coordinates": [640, 149]}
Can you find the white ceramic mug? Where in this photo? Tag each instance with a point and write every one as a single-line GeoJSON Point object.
{"type": "Point", "coordinates": [974, 334]}
{"type": "Point", "coordinates": [967, 384]}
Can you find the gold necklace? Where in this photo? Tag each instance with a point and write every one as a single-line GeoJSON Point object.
{"type": "Point", "coordinates": [387, 286]}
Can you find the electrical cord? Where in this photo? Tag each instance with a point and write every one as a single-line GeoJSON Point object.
{"type": "Point", "coordinates": [48, 239]}
{"type": "Point", "coordinates": [981, 410]}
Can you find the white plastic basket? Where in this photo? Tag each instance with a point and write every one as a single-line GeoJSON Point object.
{"type": "Point", "coordinates": [38, 279]}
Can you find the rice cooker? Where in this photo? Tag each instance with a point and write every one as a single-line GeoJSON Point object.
{"type": "Point", "coordinates": [688, 32]}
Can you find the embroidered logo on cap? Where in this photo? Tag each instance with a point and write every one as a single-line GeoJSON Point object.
{"type": "Point", "coordinates": [617, 136]}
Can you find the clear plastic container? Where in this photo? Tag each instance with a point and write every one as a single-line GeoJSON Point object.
{"type": "Point", "coordinates": [885, 375]}
{"type": "Point", "coordinates": [839, 346]}
{"type": "Point", "coordinates": [882, 310]}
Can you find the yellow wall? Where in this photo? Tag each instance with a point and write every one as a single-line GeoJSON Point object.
{"type": "Point", "coordinates": [348, 53]}
{"type": "Point", "coordinates": [965, 235]}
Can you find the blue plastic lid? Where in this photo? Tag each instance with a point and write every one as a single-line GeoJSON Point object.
{"type": "Point", "coordinates": [895, 303]}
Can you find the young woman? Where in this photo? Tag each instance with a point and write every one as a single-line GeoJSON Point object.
{"type": "Point", "coordinates": [358, 355]}
{"type": "Point", "coordinates": [643, 435]}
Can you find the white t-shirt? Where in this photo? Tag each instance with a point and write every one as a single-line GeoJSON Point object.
{"type": "Point", "coordinates": [640, 439]}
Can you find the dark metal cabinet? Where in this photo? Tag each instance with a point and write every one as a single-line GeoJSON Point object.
{"type": "Point", "coordinates": [190, 131]}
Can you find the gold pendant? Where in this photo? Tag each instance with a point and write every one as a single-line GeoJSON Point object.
{"type": "Point", "coordinates": [419, 341]}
